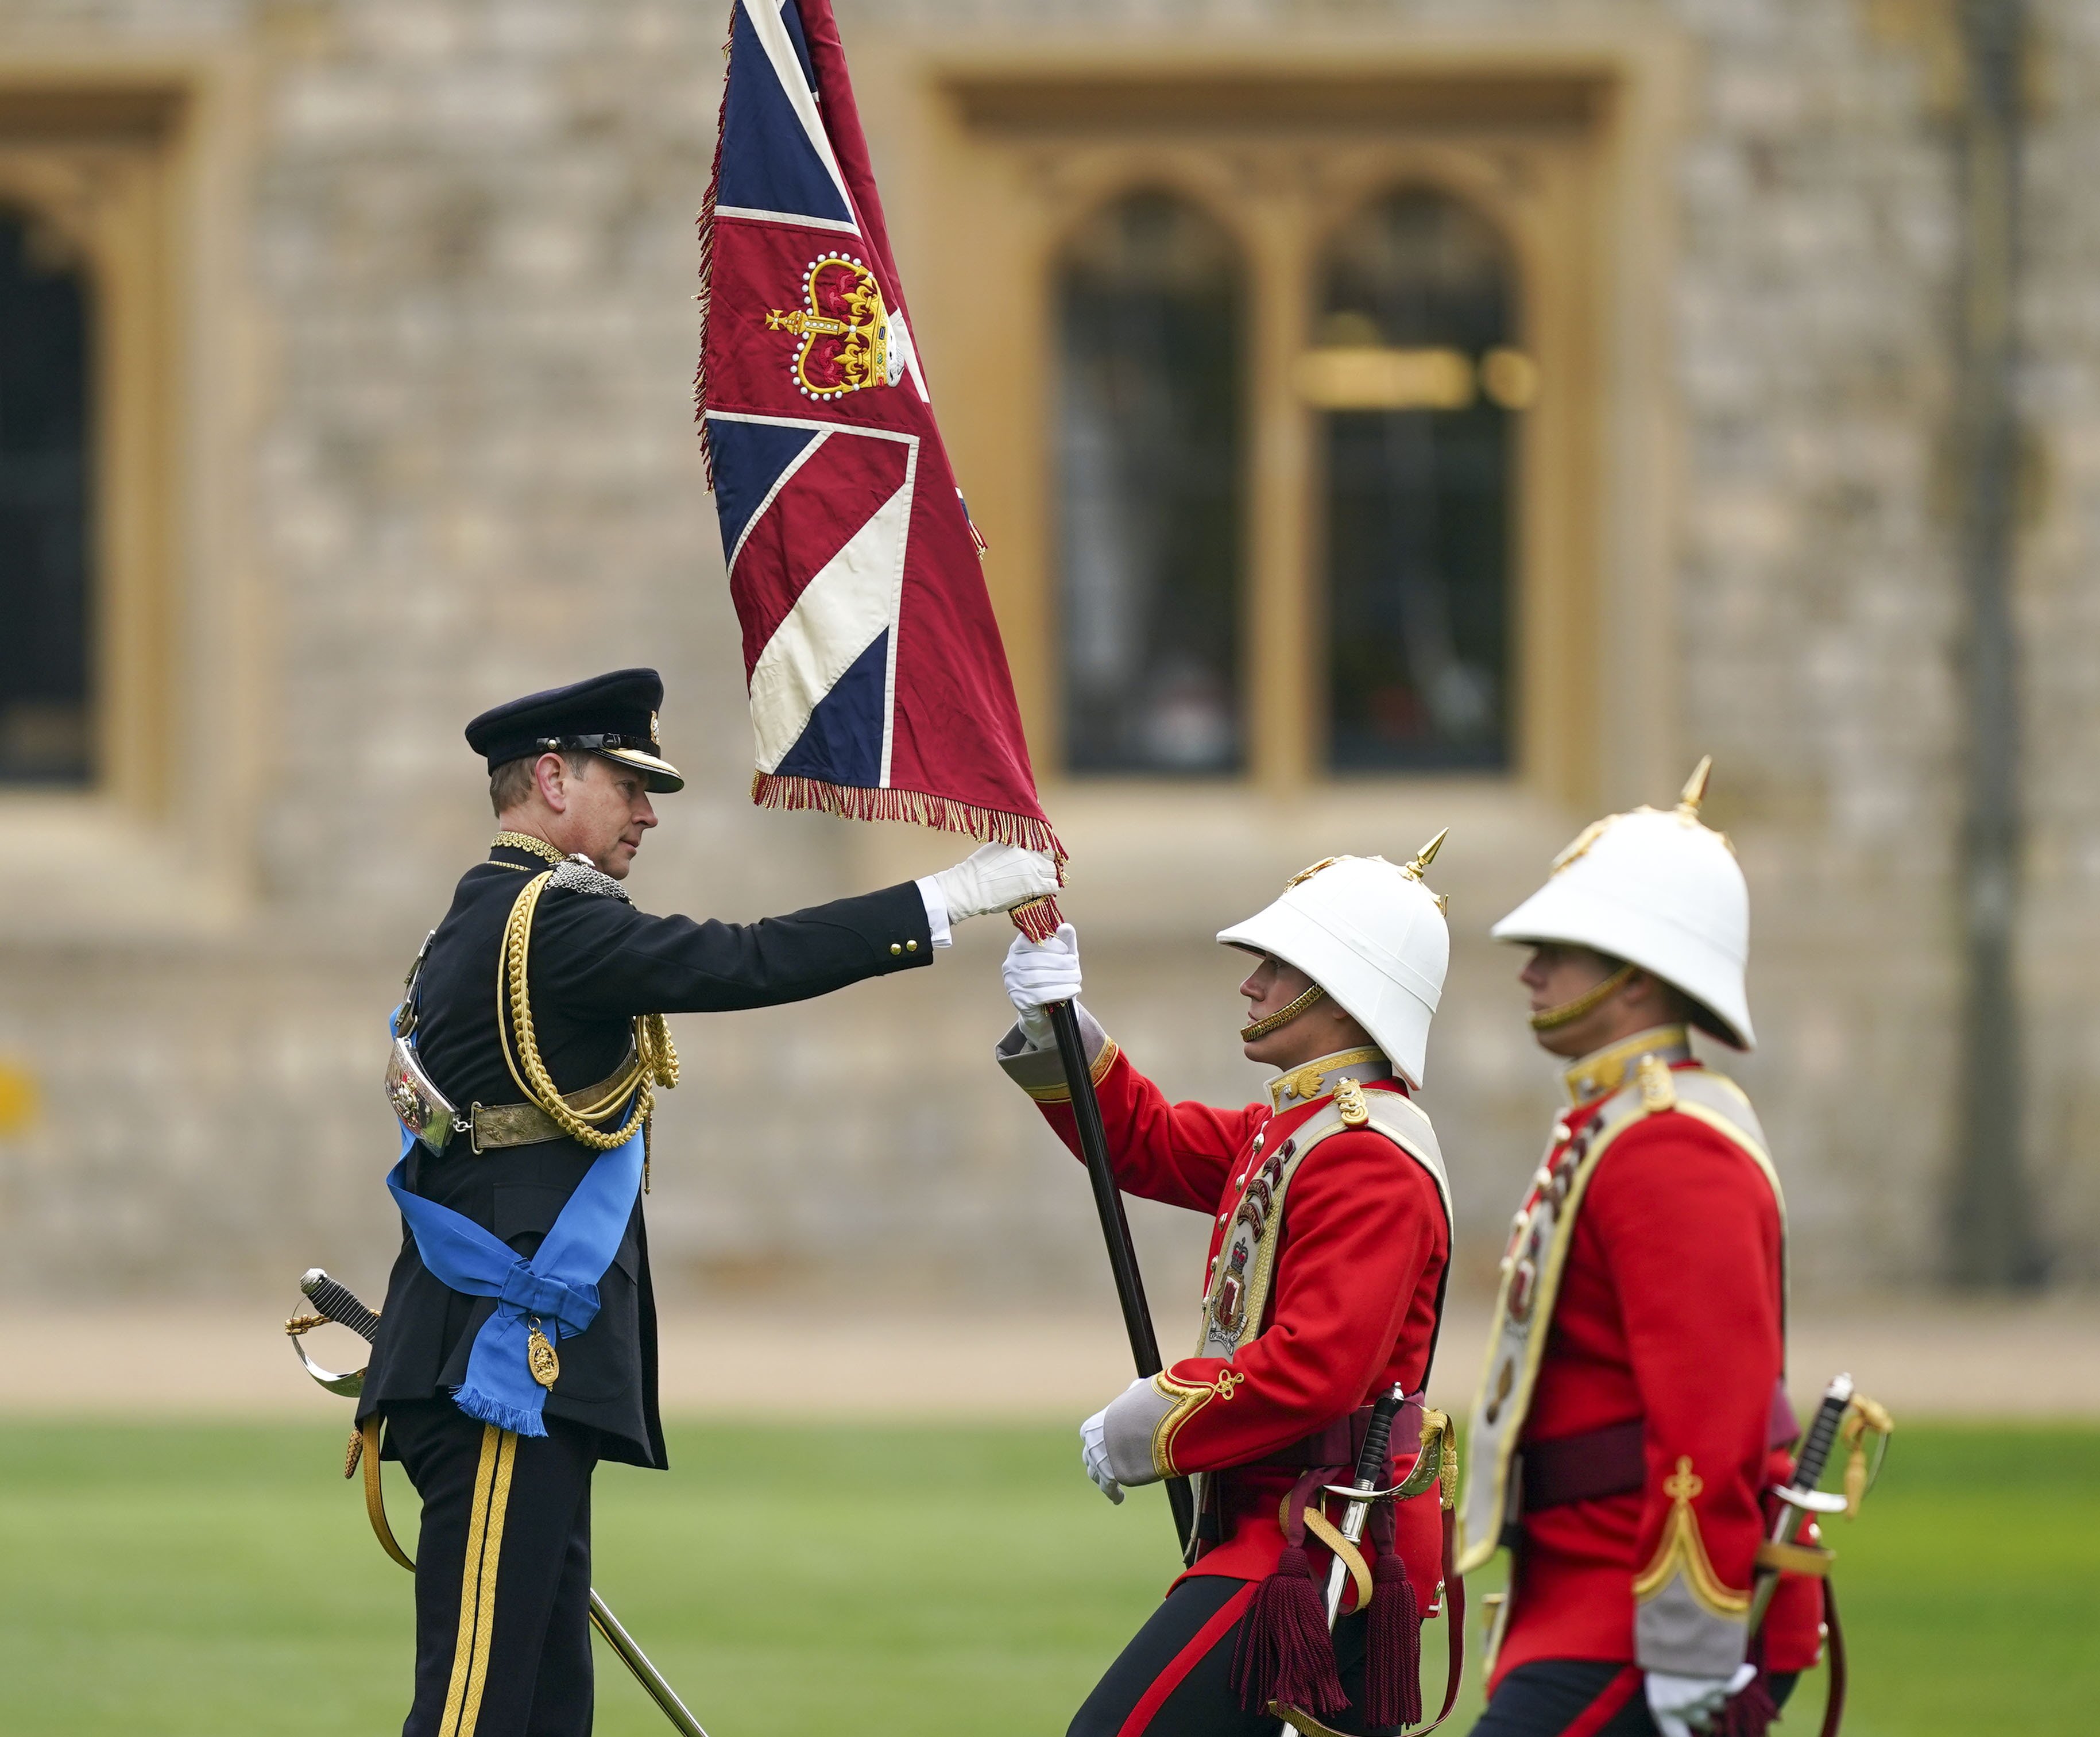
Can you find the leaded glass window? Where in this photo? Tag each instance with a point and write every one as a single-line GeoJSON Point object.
{"type": "Point", "coordinates": [1150, 457]}
{"type": "Point", "coordinates": [45, 732]}
{"type": "Point", "coordinates": [1415, 374]}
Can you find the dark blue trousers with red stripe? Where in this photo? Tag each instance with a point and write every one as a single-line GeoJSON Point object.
{"type": "Point", "coordinates": [1580, 1698]}
{"type": "Point", "coordinates": [1174, 1678]}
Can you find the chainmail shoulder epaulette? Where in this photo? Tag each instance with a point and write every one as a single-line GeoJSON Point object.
{"type": "Point", "coordinates": [579, 875]}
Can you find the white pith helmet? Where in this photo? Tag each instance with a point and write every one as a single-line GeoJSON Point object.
{"type": "Point", "coordinates": [1371, 935]}
{"type": "Point", "coordinates": [1662, 890]}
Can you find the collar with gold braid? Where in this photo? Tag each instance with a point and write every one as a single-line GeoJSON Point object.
{"type": "Point", "coordinates": [1325, 1074]}
{"type": "Point", "coordinates": [524, 841]}
{"type": "Point", "coordinates": [1602, 1071]}
{"type": "Point", "coordinates": [653, 1063]}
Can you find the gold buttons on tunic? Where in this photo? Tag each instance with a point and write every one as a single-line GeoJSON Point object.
{"type": "Point", "coordinates": [894, 948]}
{"type": "Point", "coordinates": [910, 946]}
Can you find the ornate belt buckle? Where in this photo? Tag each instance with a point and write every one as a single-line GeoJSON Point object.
{"type": "Point", "coordinates": [424, 1111]}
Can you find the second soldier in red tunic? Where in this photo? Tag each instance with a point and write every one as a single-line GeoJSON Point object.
{"type": "Point", "coordinates": [1631, 1417]}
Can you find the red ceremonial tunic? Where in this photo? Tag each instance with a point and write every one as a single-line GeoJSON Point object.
{"type": "Point", "coordinates": [1669, 1309]}
{"type": "Point", "coordinates": [1351, 1310]}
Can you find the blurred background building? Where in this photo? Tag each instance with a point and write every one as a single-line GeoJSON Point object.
{"type": "Point", "coordinates": [1384, 416]}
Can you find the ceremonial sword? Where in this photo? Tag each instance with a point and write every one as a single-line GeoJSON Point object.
{"type": "Point", "coordinates": [1371, 1467]}
{"type": "Point", "coordinates": [1799, 1495]}
{"type": "Point", "coordinates": [340, 1304]}
{"type": "Point", "coordinates": [1371, 1463]}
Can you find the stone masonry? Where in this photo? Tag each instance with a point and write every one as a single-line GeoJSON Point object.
{"type": "Point", "coordinates": [469, 231]}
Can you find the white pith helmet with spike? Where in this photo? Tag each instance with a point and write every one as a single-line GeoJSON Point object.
{"type": "Point", "coordinates": [1371, 935]}
{"type": "Point", "coordinates": [1661, 889]}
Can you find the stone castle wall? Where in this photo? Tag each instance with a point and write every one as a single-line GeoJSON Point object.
{"type": "Point", "coordinates": [470, 237]}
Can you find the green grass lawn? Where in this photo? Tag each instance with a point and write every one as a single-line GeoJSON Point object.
{"type": "Point", "coordinates": [161, 1582]}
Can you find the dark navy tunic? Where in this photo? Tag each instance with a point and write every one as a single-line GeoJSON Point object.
{"type": "Point", "coordinates": [595, 963]}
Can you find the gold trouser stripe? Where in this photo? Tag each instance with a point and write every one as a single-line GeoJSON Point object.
{"type": "Point", "coordinates": [484, 1553]}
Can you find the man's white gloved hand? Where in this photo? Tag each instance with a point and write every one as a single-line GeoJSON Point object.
{"type": "Point", "coordinates": [1682, 1705]}
{"type": "Point", "coordinates": [995, 877]}
{"type": "Point", "coordinates": [1038, 973]}
{"type": "Point", "coordinates": [1094, 1454]}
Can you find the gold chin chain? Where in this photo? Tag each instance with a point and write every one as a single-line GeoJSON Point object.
{"type": "Point", "coordinates": [1282, 1016]}
{"type": "Point", "coordinates": [525, 841]}
{"type": "Point", "coordinates": [1552, 1019]}
{"type": "Point", "coordinates": [655, 1062]}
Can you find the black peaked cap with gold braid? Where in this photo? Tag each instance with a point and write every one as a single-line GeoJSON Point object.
{"type": "Point", "coordinates": [613, 715]}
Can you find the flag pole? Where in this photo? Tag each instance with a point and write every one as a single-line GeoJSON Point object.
{"type": "Point", "coordinates": [1115, 1231]}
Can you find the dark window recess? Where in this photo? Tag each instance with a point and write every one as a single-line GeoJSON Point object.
{"type": "Point", "coordinates": [1412, 367]}
{"type": "Point", "coordinates": [1150, 461]}
{"type": "Point", "coordinates": [44, 734]}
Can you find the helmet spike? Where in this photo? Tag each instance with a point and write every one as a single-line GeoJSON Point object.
{"type": "Point", "coordinates": [1426, 855]}
{"type": "Point", "coordinates": [1695, 789]}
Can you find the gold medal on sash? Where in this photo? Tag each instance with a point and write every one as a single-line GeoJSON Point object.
{"type": "Point", "coordinates": [540, 1354]}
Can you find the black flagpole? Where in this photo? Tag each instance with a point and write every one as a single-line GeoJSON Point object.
{"type": "Point", "coordinates": [1115, 1230]}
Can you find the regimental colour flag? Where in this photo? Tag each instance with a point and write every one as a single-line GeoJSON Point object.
{"type": "Point", "coordinates": [879, 686]}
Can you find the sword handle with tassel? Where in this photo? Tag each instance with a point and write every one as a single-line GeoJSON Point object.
{"type": "Point", "coordinates": [1845, 1414]}
{"type": "Point", "coordinates": [1360, 1497]}
{"type": "Point", "coordinates": [1370, 1473]}
{"type": "Point", "coordinates": [1037, 919]}
{"type": "Point", "coordinates": [1799, 1495]}
{"type": "Point", "coordinates": [339, 1303]}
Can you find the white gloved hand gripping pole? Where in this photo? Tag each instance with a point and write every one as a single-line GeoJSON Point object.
{"type": "Point", "coordinates": [1040, 920]}
{"type": "Point", "coordinates": [1038, 973]}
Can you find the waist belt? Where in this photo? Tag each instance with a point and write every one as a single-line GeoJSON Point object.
{"type": "Point", "coordinates": [1336, 1447]}
{"type": "Point", "coordinates": [1613, 1460]}
{"type": "Point", "coordinates": [491, 1126]}
{"type": "Point", "coordinates": [1341, 1441]}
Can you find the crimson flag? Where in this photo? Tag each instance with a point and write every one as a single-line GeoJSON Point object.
{"type": "Point", "coordinates": [879, 686]}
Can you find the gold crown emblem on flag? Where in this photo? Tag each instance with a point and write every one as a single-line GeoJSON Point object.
{"type": "Point", "coordinates": [844, 330]}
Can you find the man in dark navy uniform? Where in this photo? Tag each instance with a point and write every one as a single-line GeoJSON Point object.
{"type": "Point", "coordinates": [533, 1019]}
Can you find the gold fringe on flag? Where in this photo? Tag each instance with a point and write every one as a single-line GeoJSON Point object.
{"type": "Point", "coordinates": [776, 790]}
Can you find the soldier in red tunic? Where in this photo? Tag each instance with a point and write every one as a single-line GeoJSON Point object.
{"type": "Point", "coordinates": [1329, 1238]}
{"type": "Point", "coordinates": [1632, 1417]}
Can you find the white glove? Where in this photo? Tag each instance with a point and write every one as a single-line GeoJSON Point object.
{"type": "Point", "coordinates": [1038, 973]}
{"type": "Point", "coordinates": [1684, 1704]}
{"type": "Point", "coordinates": [1094, 1454]}
{"type": "Point", "coordinates": [995, 877]}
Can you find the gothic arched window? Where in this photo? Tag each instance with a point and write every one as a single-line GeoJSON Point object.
{"type": "Point", "coordinates": [1414, 370]}
{"type": "Point", "coordinates": [1151, 461]}
{"type": "Point", "coordinates": [45, 736]}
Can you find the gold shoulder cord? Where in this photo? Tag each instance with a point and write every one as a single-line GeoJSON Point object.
{"type": "Point", "coordinates": [655, 1062]}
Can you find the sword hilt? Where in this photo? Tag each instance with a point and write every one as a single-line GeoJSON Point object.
{"type": "Point", "coordinates": [1377, 1453]}
{"type": "Point", "coordinates": [1815, 1455]}
{"type": "Point", "coordinates": [340, 1304]}
{"type": "Point", "coordinates": [1799, 1495]}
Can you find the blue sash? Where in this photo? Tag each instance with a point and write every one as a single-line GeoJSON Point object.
{"type": "Point", "coordinates": [557, 1287]}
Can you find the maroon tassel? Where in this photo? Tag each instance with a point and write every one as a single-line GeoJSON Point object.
{"type": "Point", "coordinates": [1749, 1711]}
{"type": "Point", "coordinates": [1285, 1652]}
{"type": "Point", "coordinates": [1392, 1671]}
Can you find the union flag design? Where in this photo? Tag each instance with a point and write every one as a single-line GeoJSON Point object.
{"type": "Point", "coordinates": [879, 686]}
